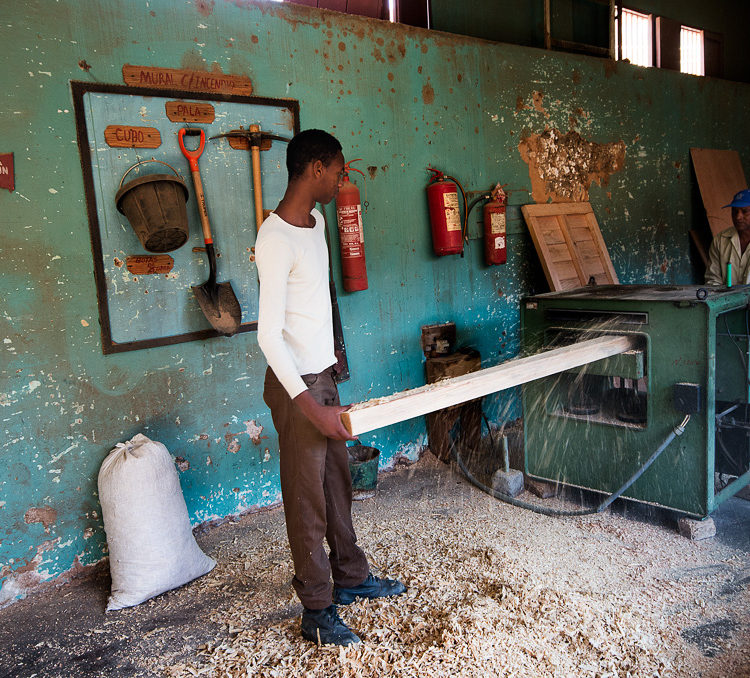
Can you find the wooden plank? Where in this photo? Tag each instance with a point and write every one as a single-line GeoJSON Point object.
{"type": "Point", "coordinates": [555, 208]}
{"type": "Point", "coordinates": [569, 283]}
{"type": "Point", "coordinates": [568, 274]}
{"type": "Point", "coordinates": [567, 238]}
{"type": "Point", "coordinates": [587, 249]}
{"type": "Point", "coordinates": [579, 233]}
{"type": "Point", "coordinates": [374, 414]}
{"type": "Point", "coordinates": [720, 176]}
{"type": "Point", "coordinates": [582, 279]}
{"type": "Point", "coordinates": [593, 267]}
{"type": "Point", "coordinates": [550, 270]}
{"type": "Point", "coordinates": [577, 220]}
{"type": "Point", "coordinates": [559, 253]}
{"type": "Point", "coordinates": [596, 235]}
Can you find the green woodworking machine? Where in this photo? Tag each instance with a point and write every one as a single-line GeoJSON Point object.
{"type": "Point", "coordinates": [595, 426]}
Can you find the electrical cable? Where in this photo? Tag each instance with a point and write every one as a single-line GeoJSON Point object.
{"type": "Point", "coordinates": [536, 508]}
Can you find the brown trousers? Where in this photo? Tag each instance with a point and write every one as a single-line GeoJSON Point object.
{"type": "Point", "coordinates": [317, 492]}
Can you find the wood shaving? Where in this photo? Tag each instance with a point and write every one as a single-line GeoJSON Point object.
{"type": "Point", "coordinates": [492, 591]}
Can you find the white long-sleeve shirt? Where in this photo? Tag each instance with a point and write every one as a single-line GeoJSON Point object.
{"type": "Point", "coordinates": [295, 330]}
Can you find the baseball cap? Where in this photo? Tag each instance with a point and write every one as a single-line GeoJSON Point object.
{"type": "Point", "coordinates": [742, 199]}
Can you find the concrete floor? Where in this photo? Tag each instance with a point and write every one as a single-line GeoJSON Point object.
{"type": "Point", "coordinates": [64, 631]}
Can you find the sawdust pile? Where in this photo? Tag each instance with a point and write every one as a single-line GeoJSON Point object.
{"type": "Point", "coordinates": [493, 591]}
{"type": "Point", "coordinates": [477, 618]}
{"type": "Point", "coordinates": [472, 609]}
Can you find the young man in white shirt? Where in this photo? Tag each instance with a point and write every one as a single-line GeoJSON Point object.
{"type": "Point", "coordinates": [295, 333]}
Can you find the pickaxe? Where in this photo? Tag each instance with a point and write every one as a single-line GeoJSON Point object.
{"type": "Point", "coordinates": [255, 138]}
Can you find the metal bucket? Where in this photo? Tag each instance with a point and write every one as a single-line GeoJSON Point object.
{"type": "Point", "coordinates": [155, 206]}
{"type": "Point", "coordinates": [363, 467]}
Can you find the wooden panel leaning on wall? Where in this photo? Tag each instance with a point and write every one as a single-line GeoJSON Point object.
{"type": "Point", "coordinates": [569, 244]}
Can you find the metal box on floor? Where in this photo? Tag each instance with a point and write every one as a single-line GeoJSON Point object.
{"type": "Point", "coordinates": [595, 426]}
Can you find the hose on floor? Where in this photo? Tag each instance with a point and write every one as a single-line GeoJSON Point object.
{"type": "Point", "coordinates": [678, 430]}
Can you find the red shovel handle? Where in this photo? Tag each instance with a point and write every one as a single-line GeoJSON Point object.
{"type": "Point", "coordinates": [192, 156]}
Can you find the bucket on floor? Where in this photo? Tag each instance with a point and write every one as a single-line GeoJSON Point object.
{"type": "Point", "coordinates": [155, 206]}
{"type": "Point", "coordinates": [363, 466]}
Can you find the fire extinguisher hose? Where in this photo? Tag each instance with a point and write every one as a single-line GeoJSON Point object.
{"type": "Point", "coordinates": [466, 212]}
{"type": "Point", "coordinates": [473, 203]}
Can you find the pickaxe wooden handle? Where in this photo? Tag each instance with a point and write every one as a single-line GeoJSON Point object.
{"type": "Point", "coordinates": [254, 136]}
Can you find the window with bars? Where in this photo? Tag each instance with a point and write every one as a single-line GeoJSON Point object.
{"type": "Point", "coordinates": [649, 40]}
{"type": "Point", "coordinates": [691, 51]}
{"type": "Point", "coordinates": [637, 37]}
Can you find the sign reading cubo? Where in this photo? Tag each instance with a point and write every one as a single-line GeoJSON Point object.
{"type": "Point", "coordinates": [125, 136]}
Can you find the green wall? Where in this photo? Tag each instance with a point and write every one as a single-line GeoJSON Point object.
{"type": "Point", "coordinates": [401, 98]}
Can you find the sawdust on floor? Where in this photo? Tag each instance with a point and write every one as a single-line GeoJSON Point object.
{"type": "Point", "coordinates": [493, 590]}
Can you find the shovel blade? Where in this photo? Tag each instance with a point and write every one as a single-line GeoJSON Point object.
{"type": "Point", "coordinates": [220, 306]}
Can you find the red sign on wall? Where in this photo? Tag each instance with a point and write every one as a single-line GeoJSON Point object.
{"type": "Point", "coordinates": [7, 178]}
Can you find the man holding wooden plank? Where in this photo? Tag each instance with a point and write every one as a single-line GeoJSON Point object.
{"type": "Point", "coordinates": [295, 333]}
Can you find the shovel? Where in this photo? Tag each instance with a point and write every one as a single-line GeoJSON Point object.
{"type": "Point", "coordinates": [217, 300]}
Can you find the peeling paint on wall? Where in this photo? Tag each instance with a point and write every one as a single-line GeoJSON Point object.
{"type": "Point", "coordinates": [562, 167]}
{"type": "Point", "coordinates": [41, 514]}
{"type": "Point", "coordinates": [24, 578]}
{"type": "Point", "coordinates": [254, 431]}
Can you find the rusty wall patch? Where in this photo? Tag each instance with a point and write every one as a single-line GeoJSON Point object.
{"type": "Point", "coordinates": [562, 167]}
{"type": "Point", "coordinates": [205, 7]}
{"type": "Point", "coordinates": [538, 99]}
{"type": "Point", "coordinates": [45, 515]}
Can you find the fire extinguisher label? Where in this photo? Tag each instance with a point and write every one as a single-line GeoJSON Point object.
{"type": "Point", "coordinates": [452, 215]}
{"type": "Point", "coordinates": [350, 229]}
{"type": "Point", "coordinates": [500, 242]}
{"type": "Point", "coordinates": [497, 223]}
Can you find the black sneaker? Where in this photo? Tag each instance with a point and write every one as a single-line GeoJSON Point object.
{"type": "Point", "coordinates": [325, 627]}
{"type": "Point", "coordinates": [372, 587]}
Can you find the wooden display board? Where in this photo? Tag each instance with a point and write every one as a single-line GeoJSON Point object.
{"type": "Point", "coordinates": [145, 301]}
{"type": "Point", "coordinates": [720, 176]}
{"type": "Point", "coordinates": [570, 245]}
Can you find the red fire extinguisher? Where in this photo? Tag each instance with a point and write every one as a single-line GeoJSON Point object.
{"type": "Point", "coordinates": [351, 235]}
{"type": "Point", "coordinates": [495, 249]}
{"type": "Point", "coordinates": [445, 216]}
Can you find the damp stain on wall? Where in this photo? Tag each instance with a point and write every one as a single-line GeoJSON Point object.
{"type": "Point", "coordinates": [562, 166]}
